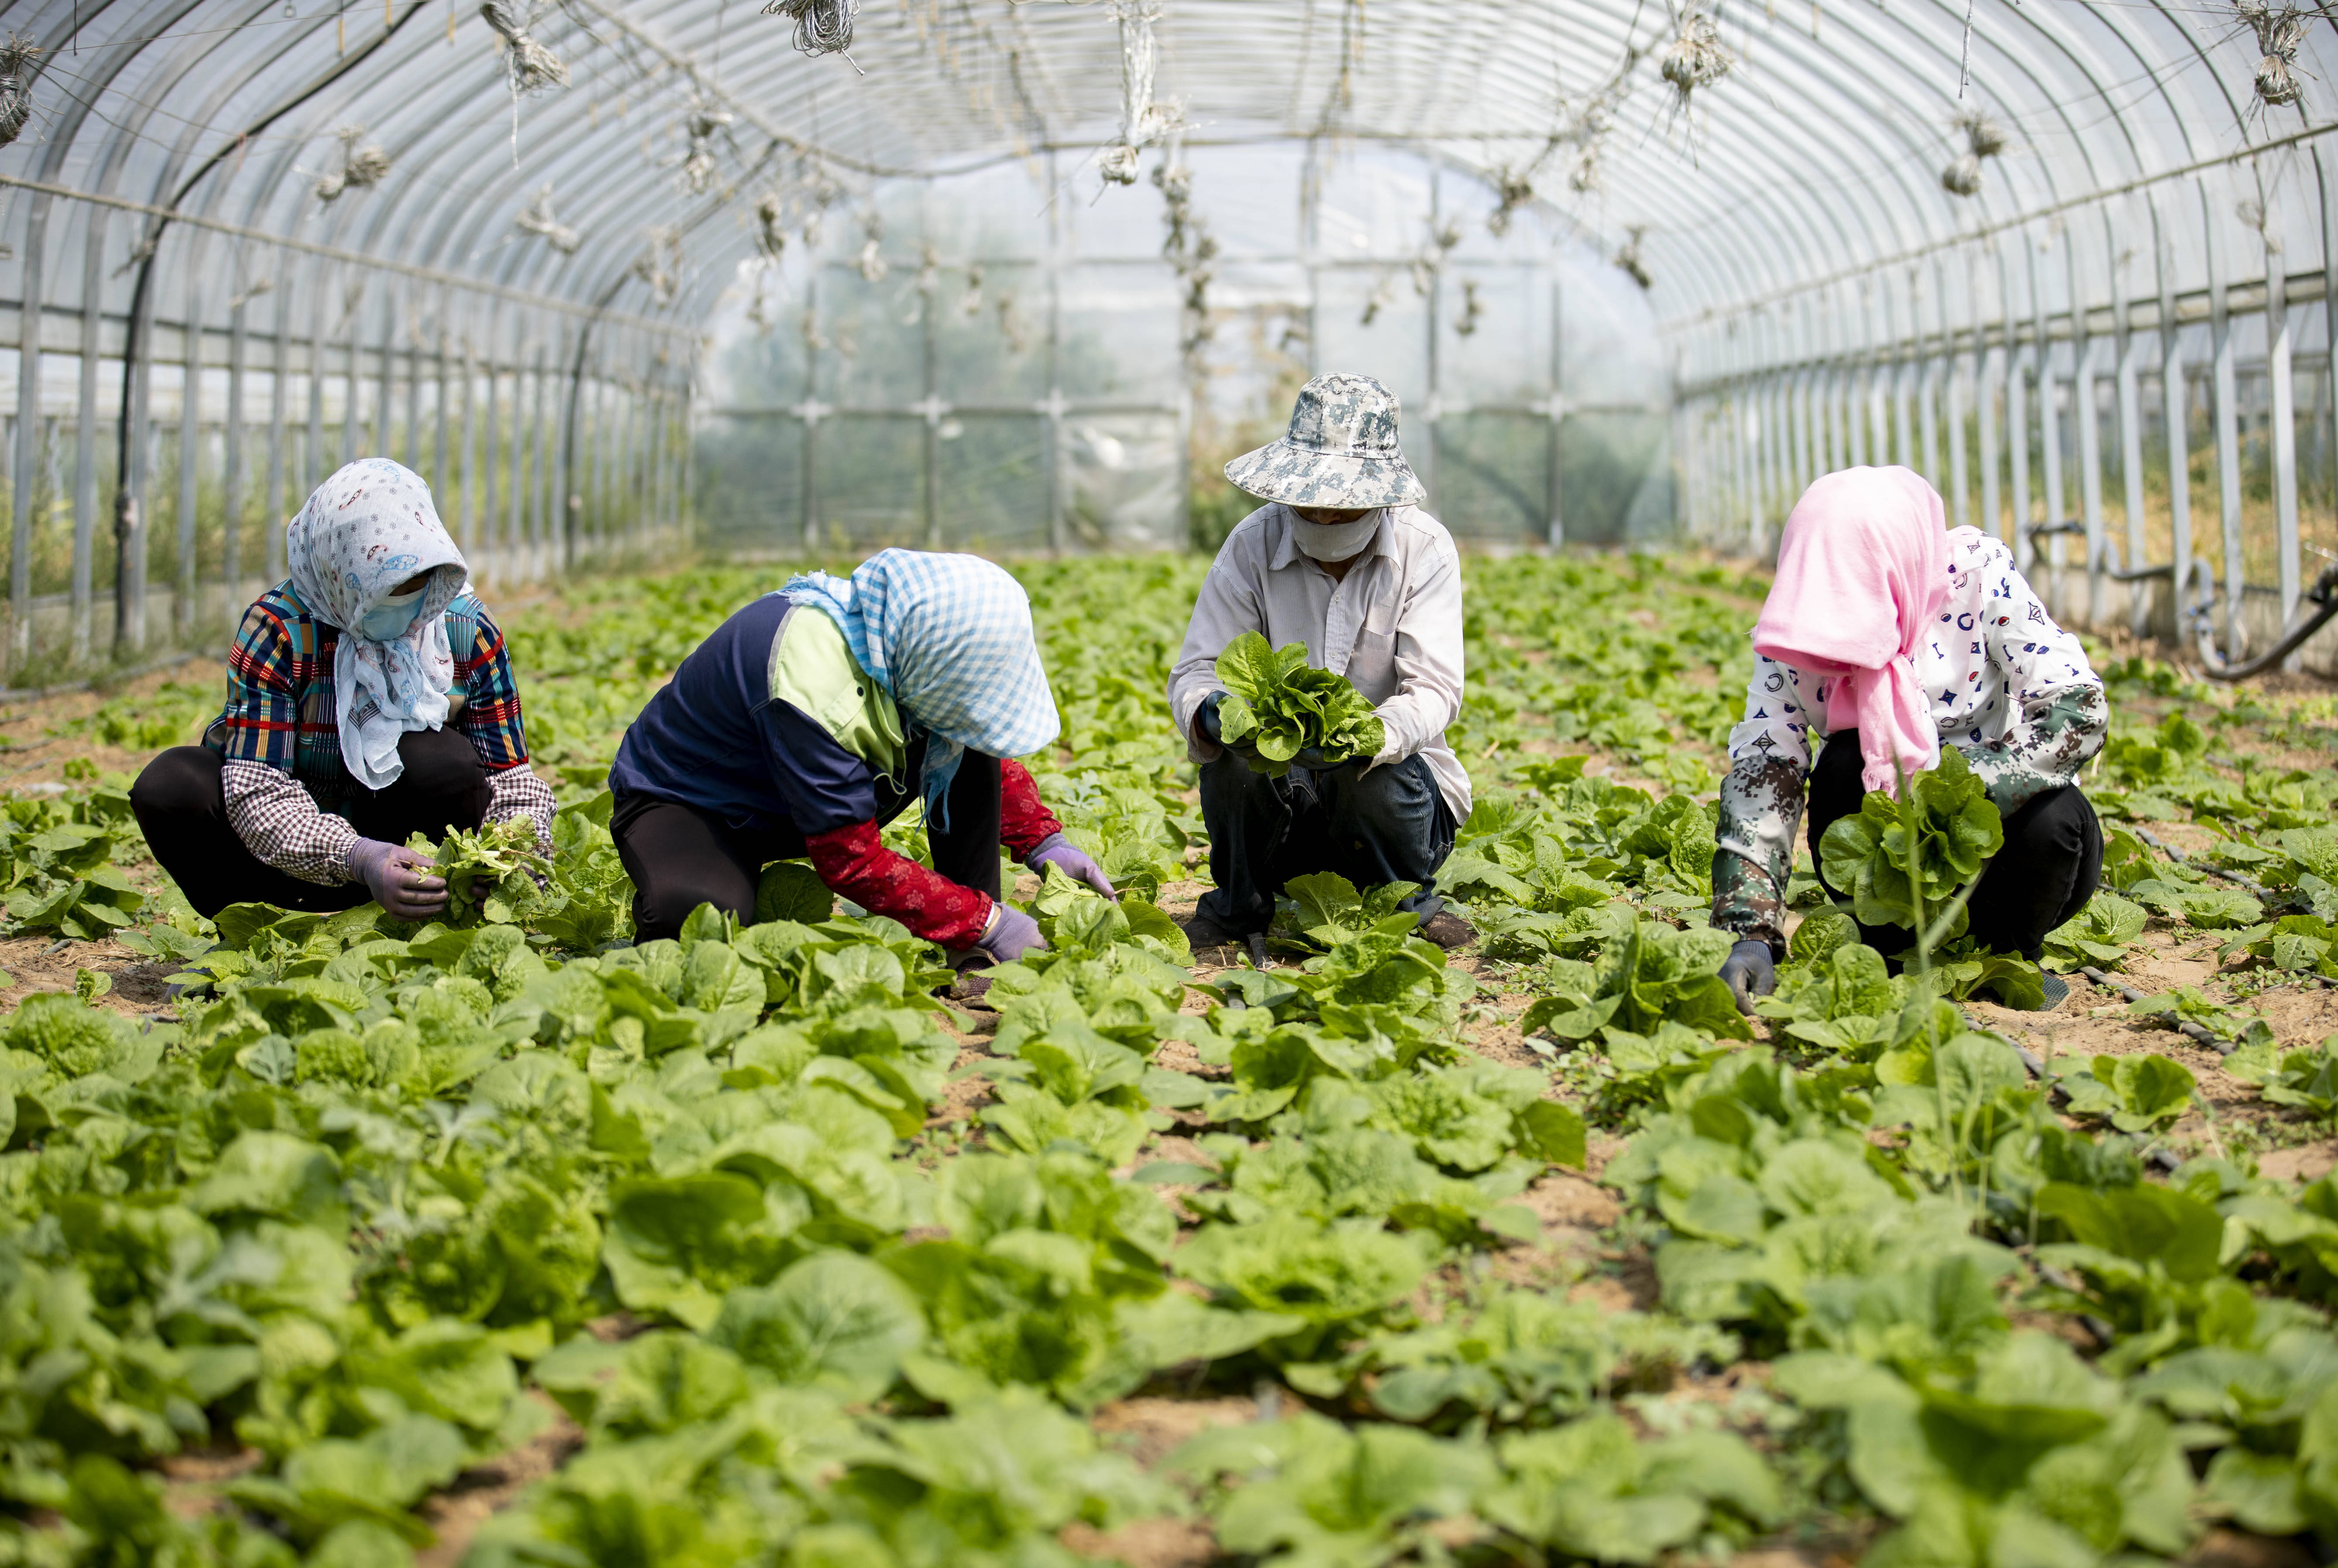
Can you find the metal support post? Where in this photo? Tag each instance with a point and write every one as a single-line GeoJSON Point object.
{"type": "Point", "coordinates": [2174, 395]}
{"type": "Point", "coordinates": [2088, 418]}
{"type": "Point", "coordinates": [2227, 415]}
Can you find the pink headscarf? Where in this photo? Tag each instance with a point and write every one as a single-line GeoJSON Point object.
{"type": "Point", "coordinates": [1862, 571]}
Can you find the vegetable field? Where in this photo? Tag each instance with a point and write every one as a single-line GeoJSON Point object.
{"type": "Point", "coordinates": [507, 1242]}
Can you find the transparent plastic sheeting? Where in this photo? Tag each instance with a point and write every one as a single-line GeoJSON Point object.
{"type": "Point", "coordinates": [246, 240]}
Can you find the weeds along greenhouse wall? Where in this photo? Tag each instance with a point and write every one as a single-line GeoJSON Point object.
{"type": "Point", "coordinates": [2027, 371]}
{"type": "Point", "coordinates": [1007, 360]}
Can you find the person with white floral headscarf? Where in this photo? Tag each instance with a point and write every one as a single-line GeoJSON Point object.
{"type": "Point", "coordinates": [370, 697]}
{"type": "Point", "coordinates": [814, 716]}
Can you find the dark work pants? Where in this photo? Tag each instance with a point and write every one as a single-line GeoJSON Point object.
{"type": "Point", "coordinates": [680, 857]}
{"type": "Point", "coordinates": [1388, 825]}
{"type": "Point", "coordinates": [183, 811]}
{"type": "Point", "coordinates": [2050, 866]}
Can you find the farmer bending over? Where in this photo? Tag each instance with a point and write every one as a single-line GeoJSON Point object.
{"type": "Point", "coordinates": [1887, 635]}
{"type": "Point", "coordinates": [1342, 558]}
{"type": "Point", "coordinates": [813, 715]}
{"type": "Point", "coordinates": [369, 698]}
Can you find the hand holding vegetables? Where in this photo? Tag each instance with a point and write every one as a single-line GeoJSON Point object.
{"type": "Point", "coordinates": [1282, 706]}
{"type": "Point", "coordinates": [1954, 827]}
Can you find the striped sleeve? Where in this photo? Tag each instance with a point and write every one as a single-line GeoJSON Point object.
{"type": "Point", "coordinates": [491, 716]}
{"type": "Point", "coordinates": [263, 693]}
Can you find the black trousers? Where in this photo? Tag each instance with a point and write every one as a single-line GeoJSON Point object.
{"type": "Point", "coordinates": [183, 811]}
{"type": "Point", "coordinates": [2050, 866]}
{"type": "Point", "coordinates": [680, 857]}
{"type": "Point", "coordinates": [1388, 825]}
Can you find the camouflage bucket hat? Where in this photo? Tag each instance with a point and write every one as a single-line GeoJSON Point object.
{"type": "Point", "coordinates": [1341, 451]}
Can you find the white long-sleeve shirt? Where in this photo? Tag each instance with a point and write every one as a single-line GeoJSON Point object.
{"type": "Point", "coordinates": [1392, 626]}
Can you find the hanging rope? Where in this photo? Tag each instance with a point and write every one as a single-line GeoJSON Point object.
{"type": "Point", "coordinates": [1189, 247]}
{"type": "Point", "coordinates": [1984, 138]}
{"type": "Point", "coordinates": [1696, 58]}
{"type": "Point", "coordinates": [17, 57]}
{"type": "Point", "coordinates": [537, 218]}
{"type": "Point", "coordinates": [2279, 35]}
{"type": "Point", "coordinates": [771, 225]}
{"type": "Point", "coordinates": [822, 26]}
{"type": "Point", "coordinates": [658, 265]}
{"type": "Point", "coordinates": [362, 168]}
{"type": "Point", "coordinates": [1141, 121]}
{"type": "Point", "coordinates": [701, 128]}
{"type": "Point", "coordinates": [529, 66]}
{"type": "Point", "coordinates": [870, 262]}
{"type": "Point", "coordinates": [1628, 256]}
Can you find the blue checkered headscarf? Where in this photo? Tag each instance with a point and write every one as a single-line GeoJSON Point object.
{"type": "Point", "coordinates": [949, 637]}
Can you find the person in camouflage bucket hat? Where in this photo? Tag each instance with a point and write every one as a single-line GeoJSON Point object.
{"type": "Point", "coordinates": [1340, 452]}
{"type": "Point", "coordinates": [1343, 560]}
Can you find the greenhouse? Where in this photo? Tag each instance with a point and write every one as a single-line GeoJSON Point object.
{"type": "Point", "coordinates": [1282, 783]}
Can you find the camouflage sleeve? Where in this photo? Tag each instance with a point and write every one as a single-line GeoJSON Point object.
{"type": "Point", "coordinates": [2058, 715]}
{"type": "Point", "coordinates": [1753, 854]}
{"type": "Point", "coordinates": [2056, 734]}
{"type": "Point", "coordinates": [1760, 807]}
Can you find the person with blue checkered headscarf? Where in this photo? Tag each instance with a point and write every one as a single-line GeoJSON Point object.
{"type": "Point", "coordinates": [813, 716]}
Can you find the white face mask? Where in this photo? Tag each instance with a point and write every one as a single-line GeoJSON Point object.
{"type": "Point", "coordinates": [1333, 541]}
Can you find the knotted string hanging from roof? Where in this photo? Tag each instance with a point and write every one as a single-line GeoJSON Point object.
{"type": "Point", "coordinates": [537, 218]}
{"type": "Point", "coordinates": [659, 263]}
{"type": "Point", "coordinates": [1471, 308]}
{"type": "Point", "coordinates": [17, 55]}
{"type": "Point", "coordinates": [872, 263]}
{"type": "Point", "coordinates": [2279, 33]}
{"type": "Point", "coordinates": [362, 168]}
{"type": "Point", "coordinates": [1141, 121]}
{"type": "Point", "coordinates": [771, 225]}
{"type": "Point", "coordinates": [700, 128]}
{"type": "Point", "coordinates": [822, 26]}
{"type": "Point", "coordinates": [1984, 138]}
{"type": "Point", "coordinates": [1695, 57]}
{"type": "Point", "coordinates": [1628, 257]}
{"type": "Point", "coordinates": [1189, 247]}
{"type": "Point", "coordinates": [529, 66]}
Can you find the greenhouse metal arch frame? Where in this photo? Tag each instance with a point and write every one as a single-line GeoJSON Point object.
{"type": "Point", "coordinates": [2112, 336]}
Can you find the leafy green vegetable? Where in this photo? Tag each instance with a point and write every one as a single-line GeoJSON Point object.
{"type": "Point", "coordinates": [496, 875]}
{"type": "Point", "coordinates": [1281, 704]}
{"type": "Point", "coordinates": [1940, 836]}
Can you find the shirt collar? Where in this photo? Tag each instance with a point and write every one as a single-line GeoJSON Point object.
{"type": "Point", "coordinates": [1285, 552]}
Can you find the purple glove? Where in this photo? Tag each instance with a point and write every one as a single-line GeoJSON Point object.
{"type": "Point", "coordinates": [1011, 935]}
{"type": "Point", "coordinates": [401, 881]}
{"type": "Point", "coordinates": [1055, 849]}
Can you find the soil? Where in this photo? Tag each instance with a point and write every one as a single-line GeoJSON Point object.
{"type": "Point", "coordinates": [1577, 1249]}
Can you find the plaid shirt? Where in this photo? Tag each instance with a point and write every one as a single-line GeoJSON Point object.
{"type": "Point", "coordinates": [281, 710]}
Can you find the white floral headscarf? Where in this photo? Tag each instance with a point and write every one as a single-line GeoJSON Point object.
{"type": "Point", "coordinates": [365, 530]}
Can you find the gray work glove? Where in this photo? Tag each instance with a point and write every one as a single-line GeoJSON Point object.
{"type": "Point", "coordinates": [404, 882]}
{"type": "Point", "coordinates": [1055, 849]}
{"type": "Point", "coordinates": [1750, 972]}
{"type": "Point", "coordinates": [1011, 935]}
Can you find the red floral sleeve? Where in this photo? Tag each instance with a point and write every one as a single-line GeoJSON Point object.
{"type": "Point", "coordinates": [1024, 823]}
{"type": "Point", "coordinates": [853, 861]}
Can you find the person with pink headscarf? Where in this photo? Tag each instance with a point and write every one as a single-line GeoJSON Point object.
{"type": "Point", "coordinates": [1886, 636]}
